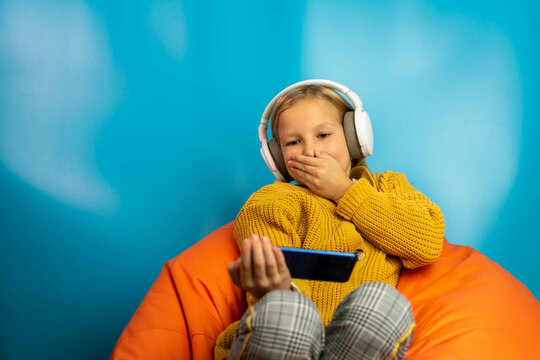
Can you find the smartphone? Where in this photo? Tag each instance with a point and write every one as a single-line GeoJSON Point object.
{"type": "Point", "coordinates": [318, 264]}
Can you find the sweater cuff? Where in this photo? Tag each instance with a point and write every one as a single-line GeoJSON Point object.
{"type": "Point", "coordinates": [354, 197]}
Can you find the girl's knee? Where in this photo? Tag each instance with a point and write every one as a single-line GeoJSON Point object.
{"type": "Point", "coordinates": [289, 312]}
{"type": "Point", "coordinates": [375, 319]}
{"type": "Point", "coordinates": [280, 323]}
{"type": "Point", "coordinates": [380, 298]}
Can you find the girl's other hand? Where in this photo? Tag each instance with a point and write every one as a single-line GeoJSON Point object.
{"type": "Point", "coordinates": [260, 268]}
{"type": "Point", "coordinates": [322, 174]}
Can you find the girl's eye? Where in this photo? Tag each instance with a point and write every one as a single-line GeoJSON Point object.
{"type": "Point", "coordinates": [292, 142]}
{"type": "Point", "coordinates": [324, 135]}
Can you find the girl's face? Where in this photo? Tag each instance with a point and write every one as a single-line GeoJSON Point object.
{"type": "Point", "coordinates": [313, 125]}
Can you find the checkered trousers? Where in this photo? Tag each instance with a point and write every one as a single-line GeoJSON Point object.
{"type": "Point", "coordinates": [373, 322]}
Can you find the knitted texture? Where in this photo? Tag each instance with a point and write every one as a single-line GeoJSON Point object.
{"type": "Point", "coordinates": [382, 214]}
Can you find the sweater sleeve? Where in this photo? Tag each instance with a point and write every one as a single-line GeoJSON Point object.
{"type": "Point", "coordinates": [277, 213]}
{"type": "Point", "coordinates": [390, 213]}
{"type": "Point", "coordinates": [265, 214]}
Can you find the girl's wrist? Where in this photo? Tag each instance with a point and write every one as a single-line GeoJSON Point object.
{"type": "Point", "coordinates": [346, 188]}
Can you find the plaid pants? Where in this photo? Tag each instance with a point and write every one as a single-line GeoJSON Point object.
{"type": "Point", "coordinates": [373, 322]}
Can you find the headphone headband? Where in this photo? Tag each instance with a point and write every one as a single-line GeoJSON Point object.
{"type": "Point", "coordinates": [351, 95]}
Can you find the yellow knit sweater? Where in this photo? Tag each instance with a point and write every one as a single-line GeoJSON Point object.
{"type": "Point", "coordinates": [381, 214]}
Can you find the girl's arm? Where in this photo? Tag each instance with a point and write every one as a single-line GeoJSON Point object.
{"type": "Point", "coordinates": [275, 213]}
{"type": "Point", "coordinates": [389, 212]}
{"type": "Point", "coordinates": [270, 212]}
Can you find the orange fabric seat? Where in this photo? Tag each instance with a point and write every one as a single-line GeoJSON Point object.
{"type": "Point", "coordinates": [465, 305]}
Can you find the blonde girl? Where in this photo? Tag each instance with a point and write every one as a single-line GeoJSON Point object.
{"type": "Point", "coordinates": [337, 204]}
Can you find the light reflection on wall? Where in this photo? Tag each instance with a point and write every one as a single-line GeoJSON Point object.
{"type": "Point", "coordinates": [58, 87]}
{"type": "Point", "coordinates": [433, 81]}
{"type": "Point", "coordinates": [168, 24]}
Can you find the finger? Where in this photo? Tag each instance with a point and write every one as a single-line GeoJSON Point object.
{"type": "Point", "coordinates": [301, 166]}
{"type": "Point", "coordinates": [304, 177]}
{"type": "Point", "coordinates": [270, 261]}
{"type": "Point", "coordinates": [322, 155]}
{"type": "Point", "coordinates": [258, 261]}
{"type": "Point", "coordinates": [280, 261]}
{"type": "Point", "coordinates": [299, 176]}
{"type": "Point", "coordinates": [306, 160]}
{"type": "Point", "coordinates": [234, 271]}
{"type": "Point", "coordinates": [246, 276]}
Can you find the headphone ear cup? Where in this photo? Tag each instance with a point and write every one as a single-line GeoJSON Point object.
{"type": "Point", "coordinates": [364, 132]}
{"type": "Point", "coordinates": [275, 151]}
{"type": "Point", "coordinates": [349, 128]}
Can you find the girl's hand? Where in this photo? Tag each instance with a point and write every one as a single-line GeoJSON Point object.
{"type": "Point", "coordinates": [322, 174]}
{"type": "Point", "coordinates": [260, 268]}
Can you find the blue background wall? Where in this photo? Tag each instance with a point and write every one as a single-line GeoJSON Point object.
{"type": "Point", "coordinates": [128, 132]}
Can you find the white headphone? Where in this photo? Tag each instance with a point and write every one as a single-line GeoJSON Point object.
{"type": "Point", "coordinates": [356, 126]}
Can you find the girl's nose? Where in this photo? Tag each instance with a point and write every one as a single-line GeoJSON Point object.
{"type": "Point", "coordinates": [309, 149]}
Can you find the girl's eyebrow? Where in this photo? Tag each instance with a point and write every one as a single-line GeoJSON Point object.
{"type": "Point", "coordinates": [317, 127]}
{"type": "Point", "coordinates": [331, 123]}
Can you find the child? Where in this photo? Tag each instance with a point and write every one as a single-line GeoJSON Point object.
{"type": "Point", "coordinates": [338, 205]}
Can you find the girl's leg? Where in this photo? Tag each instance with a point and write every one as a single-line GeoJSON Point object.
{"type": "Point", "coordinates": [281, 325]}
{"type": "Point", "coordinates": [373, 322]}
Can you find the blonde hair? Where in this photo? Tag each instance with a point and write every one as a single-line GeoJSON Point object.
{"type": "Point", "coordinates": [311, 92]}
{"type": "Point", "coordinates": [307, 92]}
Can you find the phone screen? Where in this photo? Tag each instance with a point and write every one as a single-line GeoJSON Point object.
{"type": "Point", "coordinates": [318, 264]}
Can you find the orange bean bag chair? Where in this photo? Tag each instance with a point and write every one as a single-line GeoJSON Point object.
{"type": "Point", "coordinates": [465, 306]}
